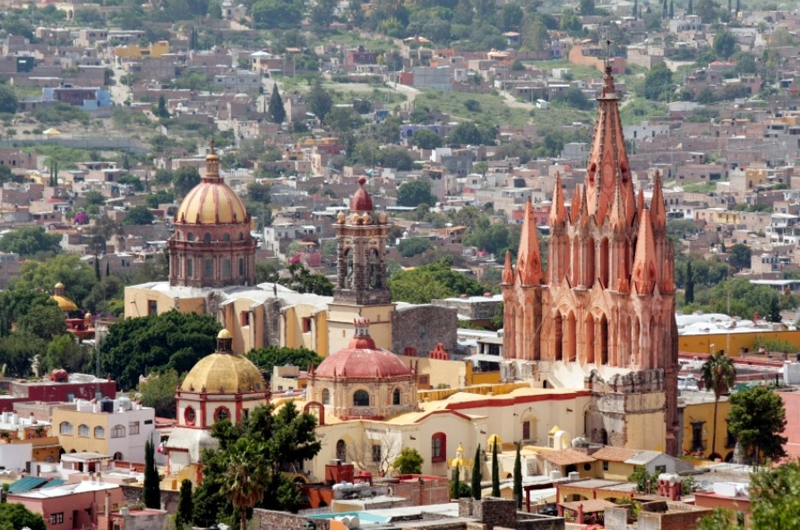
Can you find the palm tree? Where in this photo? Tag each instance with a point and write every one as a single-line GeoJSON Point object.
{"type": "Point", "coordinates": [246, 478]}
{"type": "Point", "coordinates": [719, 373]}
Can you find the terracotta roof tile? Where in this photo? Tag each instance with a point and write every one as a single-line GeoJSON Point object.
{"type": "Point", "coordinates": [567, 457]}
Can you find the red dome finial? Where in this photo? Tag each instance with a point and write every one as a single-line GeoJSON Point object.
{"type": "Point", "coordinates": [362, 180]}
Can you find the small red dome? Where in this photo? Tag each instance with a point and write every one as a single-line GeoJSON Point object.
{"type": "Point", "coordinates": [362, 359]}
{"type": "Point", "coordinates": [361, 201]}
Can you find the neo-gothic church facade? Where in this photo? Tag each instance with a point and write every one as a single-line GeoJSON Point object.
{"type": "Point", "coordinates": [601, 315]}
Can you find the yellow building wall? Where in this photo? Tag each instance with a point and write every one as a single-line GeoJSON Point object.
{"type": "Point", "coordinates": [137, 302]}
{"type": "Point", "coordinates": [646, 431]}
{"type": "Point", "coordinates": [81, 443]}
{"type": "Point", "coordinates": [316, 338]}
{"type": "Point", "coordinates": [732, 343]}
{"type": "Point", "coordinates": [705, 412]}
{"type": "Point", "coordinates": [133, 51]}
{"type": "Point", "coordinates": [442, 374]}
{"type": "Point", "coordinates": [616, 470]}
{"type": "Point", "coordinates": [340, 325]}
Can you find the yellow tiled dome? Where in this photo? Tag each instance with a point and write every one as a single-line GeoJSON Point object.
{"type": "Point", "coordinates": [212, 201]}
{"type": "Point", "coordinates": [64, 303]}
{"type": "Point", "coordinates": [224, 373]}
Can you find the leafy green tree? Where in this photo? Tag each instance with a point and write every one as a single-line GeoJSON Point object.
{"type": "Point", "coordinates": [467, 133]}
{"type": "Point", "coordinates": [158, 392]}
{"type": "Point", "coordinates": [477, 466]}
{"type": "Point", "coordinates": [537, 38]}
{"type": "Point", "coordinates": [774, 497]}
{"type": "Point", "coordinates": [30, 241]}
{"type": "Point", "coordinates": [708, 11]}
{"type": "Point", "coordinates": [757, 419]}
{"type": "Point", "coordinates": [161, 110]}
{"type": "Point", "coordinates": [724, 44]}
{"type": "Point", "coordinates": [8, 99]}
{"type": "Point", "coordinates": [271, 356]}
{"type": "Point", "coordinates": [271, 14]}
{"type": "Point", "coordinates": [573, 98]}
{"type": "Point", "coordinates": [408, 462]}
{"type": "Point", "coordinates": [14, 515]}
{"type": "Point", "coordinates": [151, 494]}
{"type": "Point", "coordinates": [104, 294]}
{"type": "Point", "coordinates": [184, 515]}
{"type": "Point", "coordinates": [17, 350]}
{"type": "Point", "coordinates": [139, 215]}
{"type": "Point", "coordinates": [688, 295]}
{"type": "Point", "coordinates": [518, 477]}
{"type": "Point", "coordinates": [77, 276]}
{"type": "Point", "coordinates": [64, 352]}
{"type": "Point", "coordinates": [719, 519]}
{"type": "Point", "coordinates": [136, 346]}
{"type": "Point", "coordinates": [739, 256]}
{"type": "Point", "coordinates": [184, 179]}
{"type": "Point", "coordinates": [494, 238]}
{"type": "Point", "coordinates": [302, 280]}
{"type": "Point", "coordinates": [587, 7]}
{"type": "Point", "coordinates": [414, 246]}
{"type": "Point", "coordinates": [495, 471]}
{"type": "Point", "coordinates": [44, 321]}
{"type": "Point", "coordinates": [658, 83]}
{"type": "Point", "coordinates": [719, 375]}
{"type": "Point", "coordinates": [276, 111]}
{"type": "Point", "coordinates": [159, 197]}
{"type": "Point", "coordinates": [432, 281]}
{"type": "Point", "coordinates": [281, 441]}
{"type": "Point", "coordinates": [319, 101]}
{"type": "Point", "coordinates": [343, 119]}
{"type": "Point", "coordinates": [645, 482]}
{"type": "Point", "coordinates": [414, 193]}
{"type": "Point", "coordinates": [396, 157]}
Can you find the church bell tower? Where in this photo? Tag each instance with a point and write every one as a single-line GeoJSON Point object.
{"type": "Point", "coordinates": [361, 287]}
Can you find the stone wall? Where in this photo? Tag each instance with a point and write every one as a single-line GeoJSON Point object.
{"type": "Point", "coordinates": [272, 520]}
{"type": "Point", "coordinates": [422, 327]}
{"type": "Point", "coordinates": [133, 495]}
{"type": "Point", "coordinates": [663, 515]}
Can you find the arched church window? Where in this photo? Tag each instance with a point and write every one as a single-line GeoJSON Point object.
{"type": "Point", "coordinates": [190, 236]}
{"type": "Point", "coordinates": [190, 268]}
{"type": "Point", "coordinates": [326, 396]}
{"type": "Point", "coordinates": [241, 266]}
{"type": "Point", "coordinates": [396, 396]}
{"type": "Point", "coordinates": [341, 450]}
{"type": "Point", "coordinates": [226, 237]}
{"type": "Point", "coordinates": [208, 268]}
{"type": "Point", "coordinates": [348, 258]}
{"type": "Point", "coordinates": [207, 237]}
{"type": "Point", "coordinates": [375, 272]}
{"type": "Point", "coordinates": [226, 268]}
{"type": "Point", "coordinates": [178, 236]}
{"type": "Point", "coordinates": [361, 398]}
{"type": "Point", "coordinates": [241, 236]}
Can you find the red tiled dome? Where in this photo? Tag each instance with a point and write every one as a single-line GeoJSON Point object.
{"type": "Point", "coordinates": [362, 359]}
{"type": "Point", "coordinates": [361, 201]}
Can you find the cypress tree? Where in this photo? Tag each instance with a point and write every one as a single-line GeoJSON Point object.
{"type": "Point", "coordinates": [96, 267]}
{"type": "Point", "coordinates": [108, 269]}
{"type": "Point", "coordinates": [495, 471]}
{"type": "Point", "coordinates": [738, 6]}
{"type": "Point", "coordinates": [476, 474]}
{"type": "Point", "coordinates": [185, 507]}
{"type": "Point", "coordinates": [690, 8]}
{"type": "Point", "coordinates": [664, 9]}
{"type": "Point", "coordinates": [671, 9]}
{"type": "Point", "coordinates": [276, 111]}
{"type": "Point", "coordinates": [688, 294]}
{"type": "Point", "coordinates": [518, 476]}
{"type": "Point", "coordinates": [455, 483]}
{"type": "Point", "coordinates": [730, 6]}
{"type": "Point", "coordinates": [152, 489]}
{"type": "Point", "coordinates": [636, 9]}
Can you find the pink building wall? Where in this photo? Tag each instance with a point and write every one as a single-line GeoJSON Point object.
{"type": "Point", "coordinates": [81, 510]}
{"type": "Point", "coordinates": [791, 402]}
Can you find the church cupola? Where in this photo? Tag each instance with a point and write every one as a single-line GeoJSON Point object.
{"type": "Point", "coordinates": [212, 245]}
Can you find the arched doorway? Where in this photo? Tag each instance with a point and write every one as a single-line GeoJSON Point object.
{"type": "Point", "coordinates": [341, 450]}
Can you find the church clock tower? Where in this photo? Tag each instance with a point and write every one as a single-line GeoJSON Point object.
{"type": "Point", "coordinates": [361, 289]}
